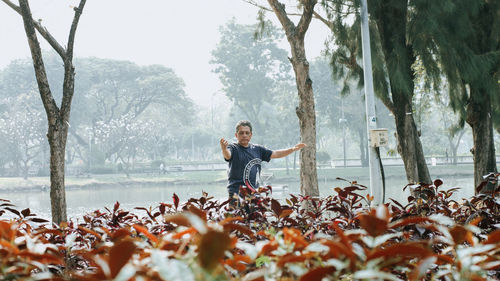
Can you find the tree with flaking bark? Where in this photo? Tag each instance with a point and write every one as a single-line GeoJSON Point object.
{"type": "Point", "coordinates": [57, 116]}
{"type": "Point", "coordinates": [306, 109]}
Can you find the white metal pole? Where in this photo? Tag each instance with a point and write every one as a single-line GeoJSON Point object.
{"type": "Point", "coordinates": [371, 117]}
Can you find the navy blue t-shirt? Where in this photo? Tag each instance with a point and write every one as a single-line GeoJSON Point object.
{"type": "Point", "coordinates": [244, 165]}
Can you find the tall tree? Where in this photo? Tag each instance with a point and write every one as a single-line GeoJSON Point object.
{"type": "Point", "coordinates": [295, 34]}
{"type": "Point", "coordinates": [107, 91]}
{"type": "Point", "coordinates": [57, 117]}
{"type": "Point", "coordinates": [394, 51]}
{"type": "Point", "coordinates": [469, 52]}
{"type": "Point", "coordinates": [340, 106]}
{"type": "Point", "coordinates": [250, 69]}
{"type": "Point", "coordinates": [23, 128]}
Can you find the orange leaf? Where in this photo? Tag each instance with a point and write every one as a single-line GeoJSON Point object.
{"type": "Point", "coordinates": [42, 258]}
{"type": "Point", "coordinates": [241, 228]}
{"type": "Point", "coordinates": [289, 258]}
{"type": "Point", "coordinates": [90, 231]}
{"type": "Point", "coordinates": [342, 236]}
{"type": "Point", "coordinates": [421, 269]}
{"type": "Point", "coordinates": [146, 233]}
{"type": "Point", "coordinates": [262, 233]}
{"type": "Point", "coordinates": [285, 213]}
{"type": "Point", "coordinates": [493, 238]}
{"type": "Point", "coordinates": [120, 233]}
{"type": "Point", "coordinates": [444, 259]}
{"type": "Point", "coordinates": [54, 232]}
{"type": "Point", "coordinates": [460, 234]}
{"type": "Point", "coordinates": [239, 262]}
{"type": "Point", "coordinates": [10, 246]}
{"type": "Point", "coordinates": [6, 231]}
{"type": "Point", "coordinates": [403, 250]}
{"type": "Point", "coordinates": [317, 274]}
{"type": "Point", "coordinates": [167, 246]}
{"type": "Point", "coordinates": [200, 213]}
{"type": "Point", "coordinates": [373, 225]}
{"type": "Point", "coordinates": [212, 247]}
{"type": "Point", "coordinates": [337, 248]}
{"type": "Point", "coordinates": [476, 221]}
{"type": "Point", "coordinates": [269, 247]}
{"type": "Point", "coordinates": [292, 235]}
{"type": "Point", "coordinates": [179, 235]}
{"type": "Point", "coordinates": [119, 255]}
{"type": "Point", "coordinates": [178, 219]}
{"type": "Point", "coordinates": [230, 219]}
{"type": "Point", "coordinates": [410, 220]}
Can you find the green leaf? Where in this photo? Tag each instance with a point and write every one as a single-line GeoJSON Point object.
{"type": "Point", "coordinates": [262, 260]}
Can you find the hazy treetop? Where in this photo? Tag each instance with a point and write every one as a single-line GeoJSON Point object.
{"type": "Point", "coordinates": [177, 34]}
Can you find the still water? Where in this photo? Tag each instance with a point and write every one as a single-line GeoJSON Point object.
{"type": "Point", "coordinates": [85, 200]}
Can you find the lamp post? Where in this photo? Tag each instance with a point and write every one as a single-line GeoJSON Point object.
{"type": "Point", "coordinates": [375, 179]}
{"type": "Point", "coordinates": [342, 122]}
{"type": "Point", "coordinates": [89, 160]}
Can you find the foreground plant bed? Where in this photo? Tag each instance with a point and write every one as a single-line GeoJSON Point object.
{"type": "Point", "coordinates": [339, 238]}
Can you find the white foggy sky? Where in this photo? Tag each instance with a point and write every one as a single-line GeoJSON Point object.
{"type": "Point", "coordinates": [178, 34]}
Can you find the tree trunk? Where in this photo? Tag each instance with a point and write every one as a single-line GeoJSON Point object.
{"type": "Point", "coordinates": [307, 121]}
{"type": "Point", "coordinates": [287, 168]}
{"type": "Point", "coordinates": [391, 19]}
{"type": "Point", "coordinates": [305, 111]}
{"type": "Point", "coordinates": [363, 149]}
{"type": "Point", "coordinates": [57, 141]}
{"type": "Point", "coordinates": [409, 145]}
{"type": "Point", "coordinates": [454, 146]}
{"type": "Point", "coordinates": [479, 118]}
{"type": "Point", "coordinates": [58, 118]}
{"type": "Point", "coordinates": [294, 161]}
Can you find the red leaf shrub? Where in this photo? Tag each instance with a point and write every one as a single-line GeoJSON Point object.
{"type": "Point", "coordinates": [339, 237]}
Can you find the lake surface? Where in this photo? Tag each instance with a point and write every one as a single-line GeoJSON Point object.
{"type": "Point", "coordinates": [85, 200]}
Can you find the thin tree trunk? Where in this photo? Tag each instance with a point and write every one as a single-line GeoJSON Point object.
{"type": "Point", "coordinates": [362, 147]}
{"type": "Point", "coordinates": [57, 141]}
{"type": "Point", "coordinates": [287, 168]}
{"type": "Point", "coordinates": [479, 118]}
{"type": "Point", "coordinates": [305, 111]}
{"type": "Point", "coordinates": [454, 146]}
{"type": "Point", "coordinates": [294, 161]}
{"type": "Point", "coordinates": [58, 118]}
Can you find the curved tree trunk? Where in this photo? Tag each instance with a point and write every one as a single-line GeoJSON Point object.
{"type": "Point", "coordinates": [409, 145]}
{"type": "Point", "coordinates": [391, 20]}
{"type": "Point", "coordinates": [479, 118]}
{"type": "Point", "coordinates": [305, 111]}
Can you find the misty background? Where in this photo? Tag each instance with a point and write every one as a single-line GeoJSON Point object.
{"type": "Point", "coordinates": [158, 83]}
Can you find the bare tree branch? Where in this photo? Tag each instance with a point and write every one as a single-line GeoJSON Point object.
{"type": "Point", "coordinates": [36, 53]}
{"type": "Point", "coordinates": [323, 20]}
{"type": "Point", "coordinates": [72, 31]}
{"type": "Point", "coordinates": [306, 17]}
{"type": "Point", "coordinates": [279, 10]}
{"type": "Point", "coordinates": [251, 2]}
{"type": "Point", "coordinates": [69, 80]}
{"type": "Point", "coordinates": [41, 29]}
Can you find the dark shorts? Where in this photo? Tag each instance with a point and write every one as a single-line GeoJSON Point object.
{"type": "Point", "coordinates": [233, 190]}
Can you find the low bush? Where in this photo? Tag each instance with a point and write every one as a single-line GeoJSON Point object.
{"type": "Point", "coordinates": [339, 237]}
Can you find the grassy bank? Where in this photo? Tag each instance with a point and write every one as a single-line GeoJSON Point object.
{"type": "Point", "coordinates": [356, 173]}
{"type": "Point", "coordinates": [211, 177]}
